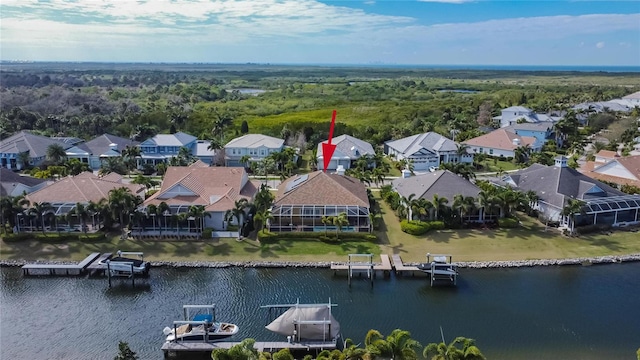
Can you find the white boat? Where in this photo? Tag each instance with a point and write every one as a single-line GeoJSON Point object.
{"type": "Point", "coordinates": [440, 268]}
{"type": "Point", "coordinates": [201, 327]}
{"type": "Point", "coordinates": [306, 322]}
{"type": "Point", "coordinates": [125, 265]}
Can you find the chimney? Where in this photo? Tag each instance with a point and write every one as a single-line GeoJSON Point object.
{"type": "Point", "coordinates": [561, 161]}
{"type": "Point", "coordinates": [406, 173]}
{"type": "Point", "coordinates": [340, 170]}
{"type": "Point", "coordinates": [113, 147]}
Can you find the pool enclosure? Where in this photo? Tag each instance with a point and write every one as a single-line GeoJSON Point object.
{"type": "Point", "coordinates": [309, 218]}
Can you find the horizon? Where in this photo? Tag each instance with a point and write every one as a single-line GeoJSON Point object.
{"type": "Point", "coordinates": [323, 32]}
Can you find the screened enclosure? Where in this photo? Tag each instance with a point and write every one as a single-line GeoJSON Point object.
{"type": "Point", "coordinates": [615, 210]}
{"type": "Point", "coordinates": [309, 218]}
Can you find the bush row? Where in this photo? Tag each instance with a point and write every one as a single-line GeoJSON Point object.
{"type": "Point", "coordinates": [53, 237]}
{"type": "Point", "coordinates": [417, 227]}
{"type": "Point", "coordinates": [270, 237]}
{"type": "Point", "coordinates": [588, 229]}
{"type": "Point", "coordinates": [508, 223]}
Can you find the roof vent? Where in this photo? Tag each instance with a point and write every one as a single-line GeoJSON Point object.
{"type": "Point", "coordinates": [340, 170]}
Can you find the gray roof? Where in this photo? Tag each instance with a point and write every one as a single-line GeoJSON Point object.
{"type": "Point", "coordinates": [539, 126]}
{"type": "Point", "coordinates": [23, 141]}
{"type": "Point", "coordinates": [177, 139]}
{"type": "Point", "coordinates": [254, 141]}
{"type": "Point", "coordinates": [599, 106]}
{"type": "Point", "coordinates": [68, 139]}
{"type": "Point", "coordinates": [202, 149]}
{"type": "Point", "coordinates": [555, 184]}
{"type": "Point", "coordinates": [101, 144]}
{"type": "Point", "coordinates": [431, 141]}
{"type": "Point", "coordinates": [349, 147]}
{"type": "Point", "coordinates": [441, 182]}
{"type": "Point", "coordinates": [518, 109]}
{"type": "Point", "coordinates": [9, 180]}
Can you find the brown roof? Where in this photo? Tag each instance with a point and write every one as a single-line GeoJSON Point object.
{"type": "Point", "coordinates": [82, 188]}
{"type": "Point", "coordinates": [321, 188]}
{"type": "Point", "coordinates": [631, 163]}
{"type": "Point", "coordinates": [216, 188]}
{"type": "Point", "coordinates": [607, 154]}
{"type": "Point", "coordinates": [500, 139]}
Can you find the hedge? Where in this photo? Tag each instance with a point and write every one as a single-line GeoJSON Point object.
{"type": "Point", "coordinates": [417, 227]}
{"type": "Point", "coordinates": [53, 237]}
{"type": "Point", "coordinates": [508, 223]}
{"type": "Point", "coordinates": [266, 236]}
{"type": "Point", "coordinates": [588, 229]}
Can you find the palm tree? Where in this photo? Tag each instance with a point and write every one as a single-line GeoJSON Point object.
{"type": "Point", "coordinates": [152, 210]}
{"type": "Point", "coordinates": [464, 205]}
{"type": "Point", "coordinates": [340, 221]}
{"type": "Point", "coordinates": [244, 160]}
{"type": "Point", "coordinates": [406, 203]}
{"type": "Point", "coordinates": [442, 351]}
{"type": "Point", "coordinates": [39, 210]}
{"type": "Point", "coordinates": [375, 344]}
{"type": "Point", "coordinates": [11, 207]}
{"type": "Point", "coordinates": [532, 199]}
{"type": "Point", "coordinates": [122, 203]}
{"type": "Point", "coordinates": [439, 204]}
{"type": "Point", "coordinates": [56, 154]}
{"type": "Point", "coordinates": [352, 351]}
{"type": "Point", "coordinates": [521, 154]}
{"type": "Point", "coordinates": [264, 198]}
{"type": "Point", "coordinates": [327, 220]}
{"type": "Point", "coordinates": [81, 213]}
{"type": "Point", "coordinates": [24, 159]}
{"type": "Point", "coordinates": [573, 207]}
{"type": "Point", "coordinates": [163, 210]}
{"type": "Point", "coordinates": [402, 346]}
{"type": "Point", "coordinates": [197, 212]}
{"type": "Point", "coordinates": [130, 156]}
{"type": "Point", "coordinates": [263, 216]}
{"type": "Point", "coordinates": [238, 213]}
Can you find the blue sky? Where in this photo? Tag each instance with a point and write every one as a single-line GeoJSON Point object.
{"type": "Point", "coordinates": [451, 32]}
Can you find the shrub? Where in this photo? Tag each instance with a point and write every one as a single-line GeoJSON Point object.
{"type": "Point", "coordinates": [436, 225]}
{"type": "Point", "coordinates": [206, 233]}
{"type": "Point", "coordinates": [414, 227]}
{"type": "Point", "coordinates": [508, 223]}
{"type": "Point", "coordinates": [54, 237]}
{"type": "Point", "coordinates": [271, 237]}
{"type": "Point", "coordinates": [588, 229]}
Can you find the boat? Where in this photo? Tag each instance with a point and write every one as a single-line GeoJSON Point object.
{"type": "Point", "coordinates": [201, 327]}
{"type": "Point", "coordinates": [440, 268]}
{"type": "Point", "coordinates": [306, 322]}
{"type": "Point", "coordinates": [121, 265]}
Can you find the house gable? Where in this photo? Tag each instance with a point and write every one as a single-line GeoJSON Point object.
{"type": "Point", "coordinates": [614, 168]}
{"type": "Point", "coordinates": [177, 190]}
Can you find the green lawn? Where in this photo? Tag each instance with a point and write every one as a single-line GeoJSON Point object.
{"type": "Point", "coordinates": [494, 165]}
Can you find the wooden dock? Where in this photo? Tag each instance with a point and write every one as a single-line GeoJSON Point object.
{"type": "Point", "coordinates": [401, 269]}
{"type": "Point", "coordinates": [174, 349]}
{"type": "Point", "coordinates": [368, 267]}
{"type": "Point", "coordinates": [98, 267]}
{"type": "Point", "coordinates": [59, 269]}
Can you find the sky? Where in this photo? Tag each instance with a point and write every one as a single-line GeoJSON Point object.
{"type": "Point", "coordinates": [395, 32]}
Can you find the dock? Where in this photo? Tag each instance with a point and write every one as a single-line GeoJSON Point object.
{"type": "Point", "coordinates": [99, 267]}
{"type": "Point", "coordinates": [401, 269]}
{"type": "Point", "coordinates": [59, 269]}
{"type": "Point", "coordinates": [365, 266]}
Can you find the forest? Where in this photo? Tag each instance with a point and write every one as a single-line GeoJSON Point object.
{"type": "Point", "coordinates": [293, 102]}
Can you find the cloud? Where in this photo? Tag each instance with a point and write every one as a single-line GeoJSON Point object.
{"type": "Point", "coordinates": [600, 45]}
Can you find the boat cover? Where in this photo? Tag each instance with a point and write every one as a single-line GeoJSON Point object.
{"type": "Point", "coordinates": [304, 317]}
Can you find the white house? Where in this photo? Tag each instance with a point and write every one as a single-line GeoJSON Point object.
{"type": "Point", "coordinates": [348, 150]}
{"type": "Point", "coordinates": [256, 146]}
{"type": "Point", "coordinates": [25, 146]}
{"type": "Point", "coordinates": [427, 150]}
{"type": "Point", "coordinates": [162, 147]}
{"type": "Point", "coordinates": [98, 149]}
{"type": "Point", "coordinates": [501, 143]}
{"type": "Point", "coordinates": [514, 114]}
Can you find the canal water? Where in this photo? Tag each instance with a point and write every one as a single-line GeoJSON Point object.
{"type": "Point", "coordinates": [571, 312]}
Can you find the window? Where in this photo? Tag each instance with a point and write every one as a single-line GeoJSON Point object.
{"type": "Point", "coordinates": [261, 152]}
{"type": "Point", "coordinates": [491, 151]}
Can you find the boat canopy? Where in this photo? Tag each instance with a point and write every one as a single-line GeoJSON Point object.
{"type": "Point", "coordinates": [307, 322]}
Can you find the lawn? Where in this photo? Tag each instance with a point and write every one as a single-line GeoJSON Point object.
{"type": "Point", "coordinates": [531, 241]}
{"type": "Point", "coordinates": [495, 165]}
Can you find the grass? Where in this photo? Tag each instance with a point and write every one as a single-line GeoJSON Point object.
{"type": "Point", "coordinates": [494, 165]}
{"type": "Point", "coordinates": [530, 241]}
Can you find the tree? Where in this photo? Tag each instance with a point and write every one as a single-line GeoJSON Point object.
{"type": "Point", "coordinates": [238, 213]}
{"type": "Point", "coordinates": [39, 210]}
{"type": "Point", "coordinates": [75, 167]}
{"type": "Point", "coordinates": [464, 205]}
{"type": "Point", "coordinates": [521, 154]}
{"type": "Point", "coordinates": [130, 155]}
{"type": "Point", "coordinates": [439, 205]}
{"type": "Point", "coordinates": [125, 353]}
{"type": "Point", "coordinates": [146, 181]}
{"type": "Point", "coordinates": [56, 154]}
{"type": "Point", "coordinates": [402, 346]}
{"type": "Point", "coordinates": [245, 350]}
{"type": "Point", "coordinates": [81, 213]}
{"type": "Point", "coordinates": [244, 160]}
{"type": "Point", "coordinates": [244, 127]}
{"type": "Point", "coordinates": [122, 203]}
{"type": "Point", "coordinates": [24, 160]}
{"type": "Point", "coordinates": [327, 220]}
{"type": "Point", "coordinates": [459, 349]}
{"type": "Point", "coordinates": [341, 220]}
{"type": "Point", "coordinates": [198, 213]}
{"type": "Point", "coordinates": [163, 210]}
{"type": "Point", "coordinates": [263, 216]}
{"type": "Point", "coordinates": [573, 207]}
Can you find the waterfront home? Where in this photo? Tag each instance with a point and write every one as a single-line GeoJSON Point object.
{"type": "Point", "coordinates": [541, 131]}
{"type": "Point", "coordinates": [254, 146]}
{"type": "Point", "coordinates": [348, 150]}
{"type": "Point", "coordinates": [12, 184]}
{"type": "Point", "coordinates": [215, 188]}
{"type": "Point", "coordinates": [515, 114]}
{"type": "Point", "coordinates": [303, 201]}
{"type": "Point", "coordinates": [501, 143]}
{"type": "Point", "coordinates": [100, 148]}
{"type": "Point", "coordinates": [427, 150]}
{"type": "Point", "coordinates": [619, 170]}
{"type": "Point", "coordinates": [64, 194]}
{"type": "Point", "coordinates": [162, 147]}
{"type": "Point", "coordinates": [556, 185]}
{"type": "Point", "coordinates": [440, 183]}
{"type": "Point", "coordinates": [25, 146]}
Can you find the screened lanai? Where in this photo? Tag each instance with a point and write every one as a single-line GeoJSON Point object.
{"type": "Point", "coordinates": [176, 220]}
{"type": "Point", "coordinates": [61, 216]}
{"type": "Point", "coordinates": [309, 217]}
{"type": "Point", "coordinates": [614, 210]}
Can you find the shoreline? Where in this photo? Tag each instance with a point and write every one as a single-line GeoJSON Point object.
{"type": "Point", "coordinates": [498, 264]}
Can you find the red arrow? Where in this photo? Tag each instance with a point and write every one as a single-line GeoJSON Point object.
{"type": "Point", "coordinates": [329, 148]}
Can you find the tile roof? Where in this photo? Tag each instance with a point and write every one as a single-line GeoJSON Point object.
{"type": "Point", "coordinates": [101, 144]}
{"type": "Point", "coordinates": [321, 188]}
{"type": "Point", "coordinates": [441, 182]}
{"type": "Point", "coordinates": [346, 147]}
{"type": "Point", "coordinates": [599, 171]}
{"type": "Point", "coordinates": [555, 184]}
{"type": "Point", "coordinates": [26, 141]}
{"type": "Point", "coordinates": [501, 139]}
{"type": "Point", "coordinates": [607, 154]}
{"type": "Point", "coordinates": [80, 188]}
{"type": "Point", "coordinates": [252, 141]}
{"type": "Point", "coordinates": [216, 188]}
{"type": "Point", "coordinates": [431, 141]}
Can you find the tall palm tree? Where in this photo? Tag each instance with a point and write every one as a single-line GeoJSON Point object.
{"type": "Point", "coordinates": [39, 210]}
{"type": "Point", "coordinates": [122, 203]}
{"type": "Point", "coordinates": [439, 205]}
{"type": "Point", "coordinates": [163, 210]}
{"type": "Point", "coordinates": [464, 205]}
{"type": "Point", "coordinates": [406, 203]}
{"type": "Point", "coordinates": [402, 346]}
{"type": "Point", "coordinates": [327, 220]}
{"type": "Point", "coordinates": [341, 220]}
{"type": "Point", "coordinates": [198, 212]}
{"type": "Point", "coordinates": [532, 199]}
{"type": "Point", "coordinates": [56, 154]}
{"type": "Point", "coordinates": [571, 209]}
{"type": "Point", "coordinates": [459, 349]}
{"type": "Point", "coordinates": [244, 160]}
{"type": "Point", "coordinates": [237, 212]}
{"type": "Point", "coordinates": [375, 344]}
{"type": "Point", "coordinates": [263, 216]}
{"type": "Point", "coordinates": [352, 351]}
{"type": "Point", "coordinates": [81, 213]}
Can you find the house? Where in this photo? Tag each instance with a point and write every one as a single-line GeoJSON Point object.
{"type": "Point", "coordinates": [442, 183]}
{"type": "Point", "coordinates": [620, 170]}
{"type": "Point", "coordinates": [541, 131]}
{"type": "Point", "coordinates": [215, 188]}
{"type": "Point", "coordinates": [12, 184]}
{"type": "Point", "coordinates": [98, 149]}
{"type": "Point", "coordinates": [303, 200]}
{"type": "Point", "coordinates": [427, 150]}
{"type": "Point", "coordinates": [348, 150]}
{"type": "Point", "coordinates": [501, 143]}
{"type": "Point", "coordinates": [255, 146]}
{"type": "Point", "coordinates": [64, 194]}
{"type": "Point", "coordinates": [26, 146]}
{"type": "Point", "coordinates": [555, 185]}
{"type": "Point", "coordinates": [515, 114]}
{"type": "Point", "coordinates": [162, 147]}
{"type": "Point", "coordinates": [604, 156]}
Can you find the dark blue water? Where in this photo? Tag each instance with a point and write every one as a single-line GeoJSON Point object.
{"type": "Point", "coordinates": [534, 313]}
